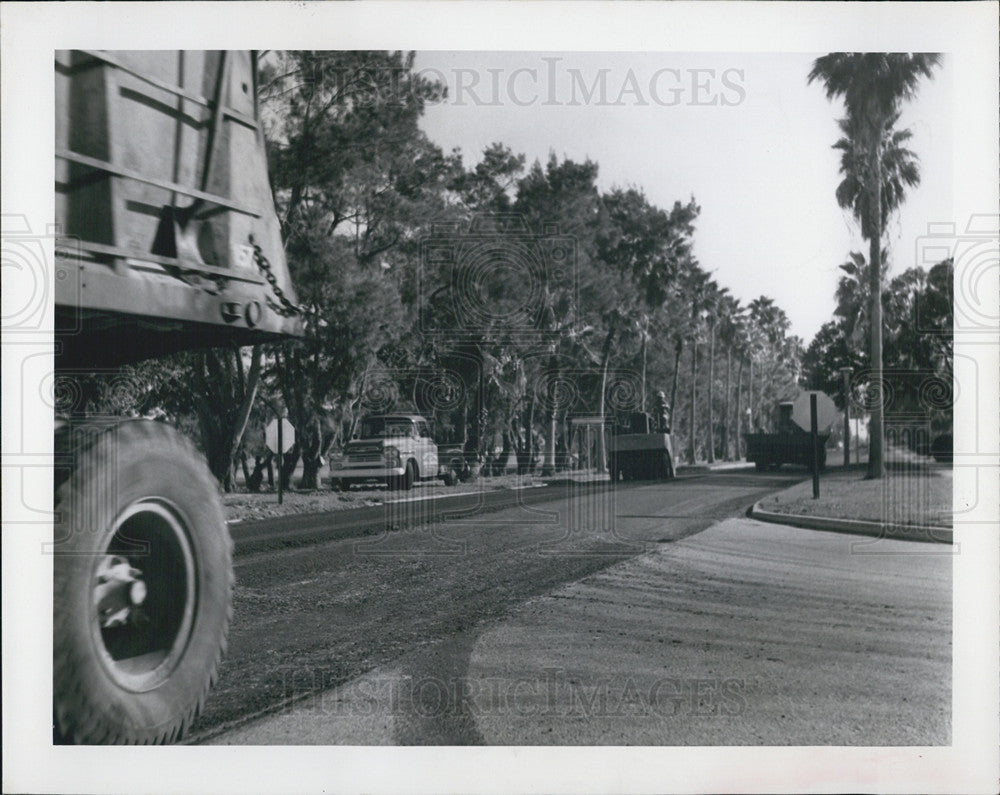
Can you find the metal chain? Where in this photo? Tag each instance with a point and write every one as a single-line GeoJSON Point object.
{"type": "Point", "coordinates": [284, 307]}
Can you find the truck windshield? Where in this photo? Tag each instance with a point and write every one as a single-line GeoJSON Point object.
{"type": "Point", "coordinates": [381, 427]}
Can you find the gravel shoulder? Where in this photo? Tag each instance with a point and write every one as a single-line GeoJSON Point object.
{"type": "Point", "coordinates": [916, 495]}
{"type": "Point", "coordinates": [243, 507]}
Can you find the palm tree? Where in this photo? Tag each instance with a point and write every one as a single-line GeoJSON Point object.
{"type": "Point", "coordinates": [714, 302]}
{"type": "Point", "coordinates": [872, 86]}
{"type": "Point", "coordinates": [678, 306]}
{"type": "Point", "coordinates": [767, 326]}
{"type": "Point", "coordinates": [742, 347]}
{"type": "Point", "coordinates": [699, 287]}
{"type": "Point", "coordinates": [730, 317]}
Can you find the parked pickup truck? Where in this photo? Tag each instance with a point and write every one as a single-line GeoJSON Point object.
{"type": "Point", "coordinates": [395, 449]}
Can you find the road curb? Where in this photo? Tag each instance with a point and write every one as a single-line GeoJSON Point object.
{"type": "Point", "coordinates": [899, 532]}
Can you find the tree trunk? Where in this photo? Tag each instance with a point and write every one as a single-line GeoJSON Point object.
{"type": "Point", "coordinates": [678, 347]}
{"type": "Point", "coordinates": [244, 467]}
{"type": "Point", "coordinates": [463, 425]}
{"type": "Point", "coordinates": [693, 446]}
{"type": "Point", "coordinates": [312, 445]}
{"type": "Point", "coordinates": [286, 466]}
{"type": "Point", "coordinates": [602, 456]}
{"type": "Point", "coordinates": [507, 447]}
{"type": "Point", "coordinates": [310, 473]}
{"type": "Point", "coordinates": [750, 426]}
{"type": "Point", "coordinates": [739, 411]}
{"type": "Point", "coordinates": [645, 334]}
{"type": "Point", "coordinates": [549, 461]}
{"type": "Point", "coordinates": [711, 385]}
{"type": "Point", "coordinates": [475, 425]}
{"type": "Point", "coordinates": [876, 464]}
{"type": "Point", "coordinates": [566, 440]}
{"type": "Point", "coordinates": [249, 396]}
{"type": "Point", "coordinates": [529, 433]}
{"type": "Point", "coordinates": [761, 415]}
{"type": "Point", "coordinates": [223, 408]}
{"type": "Point", "coordinates": [522, 442]}
{"type": "Point", "coordinates": [725, 424]}
{"type": "Point", "coordinates": [257, 476]}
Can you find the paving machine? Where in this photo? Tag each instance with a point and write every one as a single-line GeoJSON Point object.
{"type": "Point", "coordinates": [639, 448]}
{"type": "Point", "coordinates": [167, 240]}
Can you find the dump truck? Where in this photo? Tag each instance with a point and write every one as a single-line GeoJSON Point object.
{"type": "Point", "coordinates": [167, 240]}
{"type": "Point", "coordinates": [788, 444]}
{"type": "Point", "coordinates": [639, 448]}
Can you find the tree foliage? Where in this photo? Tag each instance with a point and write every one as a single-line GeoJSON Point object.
{"type": "Point", "coordinates": [918, 319]}
{"type": "Point", "coordinates": [583, 300]}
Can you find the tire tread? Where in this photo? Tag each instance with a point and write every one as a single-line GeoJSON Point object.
{"type": "Point", "coordinates": [75, 720]}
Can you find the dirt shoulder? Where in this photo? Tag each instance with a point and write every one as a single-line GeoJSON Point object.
{"type": "Point", "coordinates": [242, 507]}
{"type": "Point", "coordinates": [918, 495]}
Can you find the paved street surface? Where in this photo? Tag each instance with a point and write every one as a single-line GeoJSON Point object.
{"type": "Point", "coordinates": [671, 623]}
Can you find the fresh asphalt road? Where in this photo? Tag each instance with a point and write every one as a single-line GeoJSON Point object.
{"type": "Point", "coordinates": [604, 617]}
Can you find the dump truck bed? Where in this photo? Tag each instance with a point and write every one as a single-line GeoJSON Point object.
{"type": "Point", "coordinates": [769, 450]}
{"type": "Point", "coordinates": [167, 237]}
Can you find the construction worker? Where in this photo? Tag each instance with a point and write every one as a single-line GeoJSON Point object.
{"type": "Point", "coordinates": [662, 414]}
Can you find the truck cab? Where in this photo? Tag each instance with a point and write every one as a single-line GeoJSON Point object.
{"type": "Point", "coordinates": [397, 449]}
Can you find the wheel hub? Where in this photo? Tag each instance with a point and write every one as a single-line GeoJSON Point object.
{"type": "Point", "coordinates": [118, 591]}
{"type": "Point", "coordinates": [142, 618]}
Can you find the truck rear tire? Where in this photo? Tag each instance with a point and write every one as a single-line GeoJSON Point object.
{"type": "Point", "coordinates": [143, 584]}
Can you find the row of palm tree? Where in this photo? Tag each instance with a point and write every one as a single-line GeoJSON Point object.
{"type": "Point", "coordinates": [762, 365]}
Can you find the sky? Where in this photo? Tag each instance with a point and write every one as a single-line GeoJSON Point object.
{"type": "Point", "coordinates": [743, 133]}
